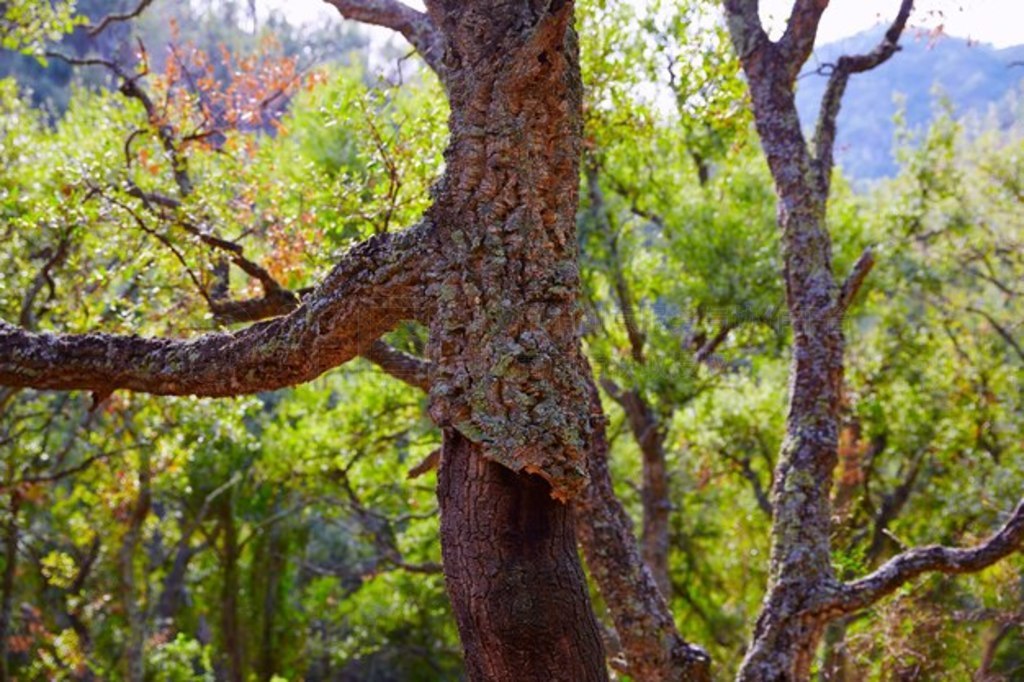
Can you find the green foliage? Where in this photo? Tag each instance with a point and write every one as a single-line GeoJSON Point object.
{"type": "Point", "coordinates": [27, 25]}
{"type": "Point", "coordinates": [287, 519]}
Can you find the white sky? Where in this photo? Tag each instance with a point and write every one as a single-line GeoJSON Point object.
{"type": "Point", "coordinates": [1000, 22]}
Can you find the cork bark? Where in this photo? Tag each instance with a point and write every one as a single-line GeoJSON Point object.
{"type": "Point", "coordinates": [492, 271]}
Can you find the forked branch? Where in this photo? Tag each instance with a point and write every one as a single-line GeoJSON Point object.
{"type": "Point", "coordinates": [748, 35]}
{"type": "Point", "coordinates": [825, 131]}
{"type": "Point", "coordinates": [797, 42]}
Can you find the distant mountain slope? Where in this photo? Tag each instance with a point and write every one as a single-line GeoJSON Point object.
{"type": "Point", "coordinates": [972, 76]}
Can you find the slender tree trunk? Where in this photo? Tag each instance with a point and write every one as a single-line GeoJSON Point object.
{"type": "Point", "coordinates": [800, 570]}
{"type": "Point", "coordinates": [657, 506]}
{"type": "Point", "coordinates": [229, 621]}
{"type": "Point", "coordinates": [274, 566]}
{"type": "Point", "coordinates": [11, 532]}
{"type": "Point", "coordinates": [135, 655]}
{"type": "Point", "coordinates": [172, 594]}
{"type": "Point", "coordinates": [513, 574]}
{"type": "Point", "coordinates": [654, 649]}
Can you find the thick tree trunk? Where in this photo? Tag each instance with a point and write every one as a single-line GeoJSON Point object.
{"type": "Point", "coordinates": [508, 380]}
{"type": "Point", "coordinates": [513, 574]}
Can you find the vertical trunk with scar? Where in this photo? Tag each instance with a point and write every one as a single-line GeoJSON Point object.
{"type": "Point", "coordinates": [508, 382]}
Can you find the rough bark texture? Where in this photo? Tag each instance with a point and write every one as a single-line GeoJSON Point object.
{"type": "Point", "coordinates": [508, 380]}
{"type": "Point", "coordinates": [375, 286]}
{"type": "Point", "coordinates": [654, 649]}
{"type": "Point", "coordinates": [785, 638]}
{"type": "Point", "coordinates": [507, 360]}
{"type": "Point", "coordinates": [516, 585]}
{"type": "Point", "coordinates": [493, 270]}
{"type": "Point", "coordinates": [803, 592]}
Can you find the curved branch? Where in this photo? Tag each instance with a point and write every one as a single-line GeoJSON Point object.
{"type": "Point", "coordinates": [825, 130]}
{"type": "Point", "coordinates": [855, 280]}
{"type": "Point", "coordinates": [400, 365]}
{"type": "Point", "coordinates": [375, 286]}
{"type": "Point", "coordinates": [118, 17]}
{"type": "Point", "coordinates": [797, 42]}
{"type": "Point", "coordinates": [912, 563]}
{"type": "Point", "coordinates": [415, 26]}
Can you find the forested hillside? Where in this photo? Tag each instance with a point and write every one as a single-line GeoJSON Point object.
{"type": "Point", "coordinates": [977, 81]}
{"type": "Point", "coordinates": [489, 354]}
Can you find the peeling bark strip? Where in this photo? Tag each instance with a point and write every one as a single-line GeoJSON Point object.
{"type": "Point", "coordinates": [803, 593]}
{"type": "Point", "coordinates": [508, 367]}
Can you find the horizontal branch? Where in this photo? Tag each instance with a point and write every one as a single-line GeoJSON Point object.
{"type": "Point", "coordinates": [400, 365]}
{"type": "Point", "coordinates": [415, 26]}
{"type": "Point", "coordinates": [374, 287]}
{"type": "Point", "coordinates": [912, 563]}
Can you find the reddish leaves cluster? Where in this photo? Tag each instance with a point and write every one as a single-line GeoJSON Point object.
{"type": "Point", "coordinates": [206, 96]}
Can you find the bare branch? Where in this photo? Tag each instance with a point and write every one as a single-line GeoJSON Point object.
{"type": "Point", "coordinates": [637, 338]}
{"type": "Point", "coordinates": [415, 26]}
{"type": "Point", "coordinates": [825, 131]}
{"type": "Point", "coordinates": [374, 287]}
{"type": "Point", "coordinates": [855, 280]}
{"type": "Point", "coordinates": [1001, 330]}
{"type": "Point", "coordinates": [706, 351]}
{"type": "Point", "coordinates": [429, 463]}
{"type": "Point", "coordinates": [912, 563]}
{"type": "Point", "coordinates": [119, 17]}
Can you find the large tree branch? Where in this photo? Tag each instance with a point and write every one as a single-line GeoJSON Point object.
{"type": "Point", "coordinates": [797, 42]}
{"type": "Point", "coordinates": [416, 27]}
{"type": "Point", "coordinates": [374, 287]}
{"type": "Point", "coordinates": [825, 131]}
{"type": "Point", "coordinates": [912, 563]}
{"type": "Point", "coordinates": [745, 27]}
